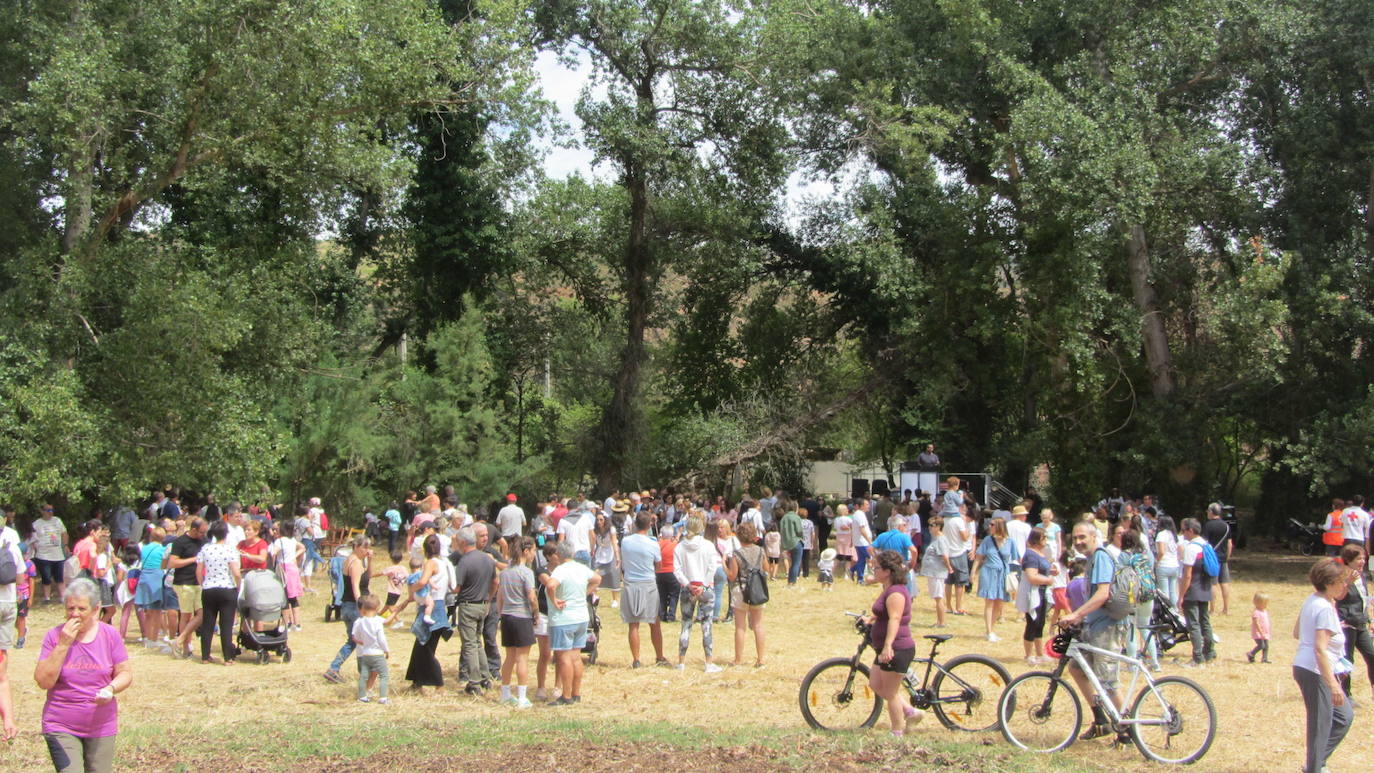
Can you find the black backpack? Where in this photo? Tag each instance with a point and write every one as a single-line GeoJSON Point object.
{"type": "Point", "coordinates": [753, 583]}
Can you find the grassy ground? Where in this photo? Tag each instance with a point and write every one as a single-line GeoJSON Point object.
{"type": "Point", "coordinates": [180, 715]}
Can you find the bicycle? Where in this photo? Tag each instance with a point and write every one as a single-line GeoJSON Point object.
{"type": "Point", "coordinates": [962, 693]}
{"type": "Point", "coordinates": [1172, 719]}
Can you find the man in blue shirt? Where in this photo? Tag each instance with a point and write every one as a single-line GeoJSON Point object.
{"type": "Point", "coordinates": [640, 558]}
{"type": "Point", "coordinates": [898, 541]}
{"type": "Point", "coordinates": [1099, 629]}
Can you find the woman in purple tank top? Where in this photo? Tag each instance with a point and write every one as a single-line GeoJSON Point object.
{"type": "Point", "coordinates": [891, 638]}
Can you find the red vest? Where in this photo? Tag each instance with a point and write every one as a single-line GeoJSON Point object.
{"type": "Point", "coordinates": [1333, 534]}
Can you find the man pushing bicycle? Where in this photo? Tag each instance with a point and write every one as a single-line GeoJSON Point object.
{"type": "Point", "coordinates": [1099, 630]}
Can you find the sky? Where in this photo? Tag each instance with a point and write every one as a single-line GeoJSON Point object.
{"type": "Point", "coordinates": [563, 84]}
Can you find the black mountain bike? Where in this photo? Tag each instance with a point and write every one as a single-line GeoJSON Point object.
{"type": "Point", "coordinates": [835, 694]}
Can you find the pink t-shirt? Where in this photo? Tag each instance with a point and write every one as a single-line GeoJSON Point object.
{"type": "Point", "coordinates": [395, 578]}
{"type": "Point", "coordinates": [1259, 624]}
{"type": "Point", "coordinates": [71, 706]}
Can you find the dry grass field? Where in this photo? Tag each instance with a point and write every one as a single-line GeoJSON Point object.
{"type": "Point", "coordinates": [181, 715]}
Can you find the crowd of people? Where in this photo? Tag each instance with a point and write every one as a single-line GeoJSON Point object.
{"type": "Point", "coordinates": [511, 582]}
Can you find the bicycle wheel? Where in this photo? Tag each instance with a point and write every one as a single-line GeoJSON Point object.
{"type": "Point", "coordinates": [966, 692]}
{"type": "Point", "coordinates": [835, 695]}
{"type": "Point", "coordinates": [1040, 712]}
{"type": "Point", "coordinates": [1177, 721]}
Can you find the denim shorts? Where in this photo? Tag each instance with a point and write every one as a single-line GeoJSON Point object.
{"type": "Point", "coordinates": [568, 637]}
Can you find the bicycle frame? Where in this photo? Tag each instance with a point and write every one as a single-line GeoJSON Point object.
{"type": "Point", "coordinates": [1138, 670]}
{"type": "Point", "coordinates": [908, 679]}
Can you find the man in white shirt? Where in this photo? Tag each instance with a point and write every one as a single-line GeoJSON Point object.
{"type": "Point", "coordinates": [955, 538]}
{"type": "Point", "coordinates": [1195, 594]}
{"type": "Point", "coordinates": [753, 515]}
{"type": "Point", "coordinates": [576, 530]}
{"type": "Point", "coordinates": [1355, 522]}
{"type": "Point", "coordinates": [863, 539]}
{"type": "Point", "coordinates": [234, 515]}
{"type": "Point", "coordinates": [511, 519]}
{"type": "Point", "coordinates": [1018, 531]}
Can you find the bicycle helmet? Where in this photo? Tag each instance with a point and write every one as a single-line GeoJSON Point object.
{"type": "Point", "coordinates": [1059, 645]}
{"type": "Point", "coordinates": [1050, 651]}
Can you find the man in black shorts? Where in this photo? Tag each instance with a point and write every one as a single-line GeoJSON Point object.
{"type": "Point", "coordinates": [1217, 532]}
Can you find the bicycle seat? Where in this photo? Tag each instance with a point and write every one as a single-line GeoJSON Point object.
{"type": "Point", "coordinates": [939, 638]}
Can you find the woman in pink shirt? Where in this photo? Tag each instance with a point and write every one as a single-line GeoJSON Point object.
{"type": "Point", "coordinates": [82, 665]}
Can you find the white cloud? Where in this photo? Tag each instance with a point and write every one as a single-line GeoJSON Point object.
{"type": "Point", "coordinates": [563, 85]}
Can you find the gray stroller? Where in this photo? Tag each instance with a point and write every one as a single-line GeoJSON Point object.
{"type": "Point", "coordinates": [262, 597]}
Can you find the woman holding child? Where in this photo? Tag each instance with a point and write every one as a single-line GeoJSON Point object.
{"type": "Point", "coordinates": [424, 669]}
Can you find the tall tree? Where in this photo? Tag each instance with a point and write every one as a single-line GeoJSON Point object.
{"type": "Point", "coordinates": [687, 132]}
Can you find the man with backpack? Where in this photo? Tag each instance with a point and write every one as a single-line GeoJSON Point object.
{"type": "Point", "coordinates": [1217, 532]}
{"type": "Point", "coordinates": [1200, 566]}
{"type": "Point", "coordinates": [1101, 628]}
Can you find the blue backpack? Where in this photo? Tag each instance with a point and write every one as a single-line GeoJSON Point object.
{"type": "Point", "coordinates": [1211, 565]}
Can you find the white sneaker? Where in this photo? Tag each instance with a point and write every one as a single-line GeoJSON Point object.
{"type": "Point", "coordinates": [994, 637]}
{"type": "Point", "coordinates": [712, 668]}
{"type": "Point", "coordinates": [681, 666]}
{"type": "Point", "coordinates": [615, 605]}
{"type": "Point", "coordinates": [523, 703]}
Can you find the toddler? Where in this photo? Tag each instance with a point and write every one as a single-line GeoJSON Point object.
{"type": "Point", "coordinates": [370, 635]}
{"type": "Point", "coordinates": [1077, 590]}
{"type": "Point", "coordinates": [772, 545]}
{"type": "Point", "coordinates": [423, 598]}
{"type": "Point", "coordinates": [935, 567]}
{"type": "Point", "coordinates": [124, 594]}
{"type": "Point", "coordinates": [1259, 628]}
{"type": "Point", "coordinates": [395, 583]}
{"type": "Point", "coordinates": [825, 567]}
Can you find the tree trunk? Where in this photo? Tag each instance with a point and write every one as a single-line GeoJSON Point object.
{"type": "Point", "coordinates": [1158, 359]}
{"type": "Point", "coordinates": [1369, 214]}
{"type": "Point", "coordinates": [618, 433]}
{"type": "Point", "coordinates": [618, 420]}
{"type": "Point", "coordinates": [77, 211]}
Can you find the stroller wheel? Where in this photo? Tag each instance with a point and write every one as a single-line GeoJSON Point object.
{"type": "Point", "coordinates": [286, 655]}
{"type": "Point", "coordinates": [591, 658]}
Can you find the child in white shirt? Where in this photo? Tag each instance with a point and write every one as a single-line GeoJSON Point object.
{"type": "Point", "coordinates": [369, 633]}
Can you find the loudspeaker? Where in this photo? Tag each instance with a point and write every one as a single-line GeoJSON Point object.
{"type": "Point", "coordinates": [858, 488]}
{"type": "Point", "coordinates": [880, 486]}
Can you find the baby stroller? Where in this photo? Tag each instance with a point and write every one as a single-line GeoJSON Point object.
{"type": "Point", "coordinates": [262, 598]}
{"type": "Point", "coordinates": [1167, 625]}
{"type": "Point", "coordinates": [593, 628]}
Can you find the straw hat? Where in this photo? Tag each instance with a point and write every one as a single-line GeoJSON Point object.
{"type": "Point", "coordinates": [828, 554]}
